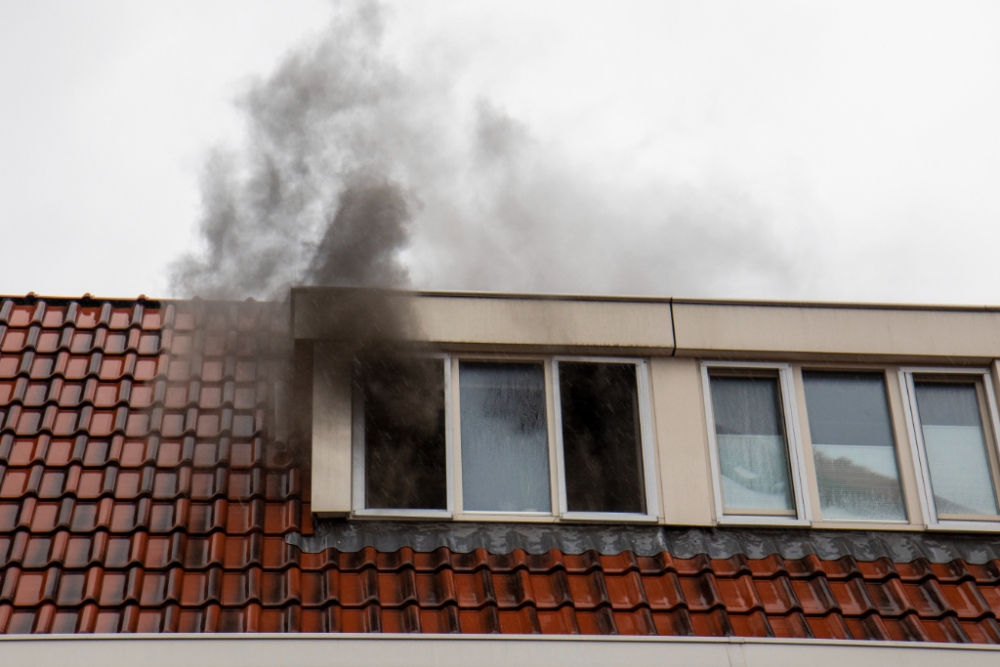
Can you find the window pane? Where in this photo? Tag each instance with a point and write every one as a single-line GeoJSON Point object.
{"type": "Point", "coordinates": [404, 435]}
{"type": "Point", "coordinates": [505, 452]}
{"type": "Point", "coordinates": [602, 445]}
{"type": "Point", "coordinates": [956, 448]}
{"type": "Point", "coordinates": [753, 454]}
{"type": "Point", "coordinates": [853, 446]}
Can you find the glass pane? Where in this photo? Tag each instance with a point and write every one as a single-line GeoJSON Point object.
{"type": "Point", "coordinates": [956, 448]}
{"type": "Point", "coordinates": [602, 445]}
{"type": "Point", "coordinates": [405, 434]}
{"type": "Point", "coordinates": [753, 454]}
{"type": "Point", "coordinates": [505, 447]}
{"type": "Point", "coordinates": [853, 446]}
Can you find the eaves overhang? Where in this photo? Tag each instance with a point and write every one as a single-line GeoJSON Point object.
{"type": "Point", "coordinates": [704, 328]}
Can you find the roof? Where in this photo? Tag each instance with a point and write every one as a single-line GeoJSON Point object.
{"type": "Point", "coordinates": [142, 490]}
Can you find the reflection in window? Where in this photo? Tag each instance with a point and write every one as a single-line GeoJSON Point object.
{"type": "Point", "coordinates": [853, 446]}
{"type": "Point", "coordinates": [404, 434]}
{"type": "Point", "coordinates": [505, 460]}
{"type": "Point", "coordinates": [602, 443]}
{"type": "Point", "coordinates": [753, 453]}
{"type": "Point", "coordinates": [955, 446]}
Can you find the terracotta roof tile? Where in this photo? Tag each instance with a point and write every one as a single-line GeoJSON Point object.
{"type": "Point", "coordinates": [137, 494]}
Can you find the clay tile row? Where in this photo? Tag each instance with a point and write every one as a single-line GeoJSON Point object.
{"type": "Point", "coordinates": [183, 514]}
{"type": "Point", "coordinates": [153, 552]}
{"type": "Point", "coordinates": [158, 484]}
{"type": "Point", "coordinates": [195, 572]}
{"type": "Point", "coordinates": [88, 420]}
{"type": "Point", "coordinates": [292, 618]}
{"type": "Point", "coordinates": [75, 368]}
{"type": "Point", "coordinates": [174, 616]}
{"type": "Point", "coordinates": [49, 341]}
{"type": "Point", "coordinates": [55, 453]}
{"type": "Point", "coordinates": [80, 314]}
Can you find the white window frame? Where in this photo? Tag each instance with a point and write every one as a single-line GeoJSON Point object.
{"type": "Point", "coordinates": [651, 515]}
{"type": "Point", "coordinates": [358, 457]}
{"type": "Point", "coordinates": [793, 440]}
{"type": "Point", "coordinates": [919, 455]}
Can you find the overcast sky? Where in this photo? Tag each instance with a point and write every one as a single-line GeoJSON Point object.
{"type": "Point", "coordinates": [834, 151]}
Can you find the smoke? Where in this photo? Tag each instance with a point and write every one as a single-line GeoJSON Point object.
{"type": "Point", "coordinates": [359, 171]}
{"type": "Point", "coordinates": [359, 245]}
{"type": "Point", "coordinates": [313, 197]}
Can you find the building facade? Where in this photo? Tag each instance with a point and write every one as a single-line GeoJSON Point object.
{"type": "Point", "coordinates": [498, 478]}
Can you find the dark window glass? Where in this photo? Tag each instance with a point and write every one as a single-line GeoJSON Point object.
{"type": "Point", "coordinates": [404, 434]}
{"type": "Point", "coordinates": [602, 445]}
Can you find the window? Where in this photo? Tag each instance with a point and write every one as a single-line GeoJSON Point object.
{"type": "Point", "coordinates": [588, 457]}
{"type": "Point", "coordinates": [605, 453]}
{"type": "Point", "coordinates": [757, 458]}
{"type": "Point", "coordinates": [954, 421]}
{"type": "Point", "coordinates": [505, 440]}
{"type": "Point", "coordinates": [854, 450]}
{"type": "Point", "coordinates": [754, 457]}
{"type": "Point", "coordinates": [401, 437]}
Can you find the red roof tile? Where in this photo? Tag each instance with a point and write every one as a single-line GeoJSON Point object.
{"type": "Point", "coordinates": [139, 493]}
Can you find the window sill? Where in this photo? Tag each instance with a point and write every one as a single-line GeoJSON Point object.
{"type": "Point", "coordinates": [767, 521]}
{"type": "Point", "coordinates": [608, 517]}
{"type": "Point", "coordinates": [965, 526]}
{"type": "Point", "coordinates": [867, 525]}
{"type": "Point", "coordinates": [509, 517]}
{"type": "Point", "coordinates": [401, 514]}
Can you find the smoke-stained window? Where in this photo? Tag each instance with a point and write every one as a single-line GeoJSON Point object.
{"type": "Point", "coordinates": [405, 454]}
{"type": "Point", "coordinates": [505, 446]}
{"type": "Point", "coordinates": [602, 437]}
{"type": "Point", "coordinates": [411, 458]}
{"type": "Point", "coordinates": [853, 447]}
{"type": "Point", "coordinates": [751, 443]}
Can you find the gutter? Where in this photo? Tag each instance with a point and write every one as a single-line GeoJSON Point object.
{"type": "Point", "coordinates": [268, 650]}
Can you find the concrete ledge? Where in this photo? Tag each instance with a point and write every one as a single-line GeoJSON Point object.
{"type": "Point", "coordinates": [792, 331]}
{"type": "Point", "coordinates": [521, 323]}
{"type": "Point", "coordinates": [267, 650]}
{"type": "Point", "coordinates": [500, 322]}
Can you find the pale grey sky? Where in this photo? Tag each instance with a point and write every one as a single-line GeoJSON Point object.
{"type": "Point", "coordinates": [846, 151]}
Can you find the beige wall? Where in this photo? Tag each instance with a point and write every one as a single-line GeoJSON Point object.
{"type": "Point", "coordinates": [682, 439]}
{"type": "Point", "coordinates": [331, 433]}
